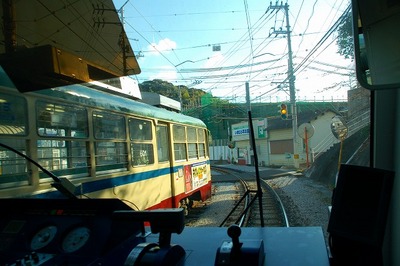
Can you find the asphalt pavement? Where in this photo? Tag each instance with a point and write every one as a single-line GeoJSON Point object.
{"type": "Point", "coordinates": [249, 171]}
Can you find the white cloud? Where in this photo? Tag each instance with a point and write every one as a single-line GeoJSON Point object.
{"type": "Point", "coordinates": [167, 74]}
{"type": "Point", "coordinates": [164, 46]}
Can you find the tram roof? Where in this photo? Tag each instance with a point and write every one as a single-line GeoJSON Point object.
{"type": "Point", "coordinates": [91, 97]}
{"type": "Point", "coordinates": [111, 101]}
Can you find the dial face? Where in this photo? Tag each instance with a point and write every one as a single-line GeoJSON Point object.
{"type": "Point", "coordinates": [76, 239]}
{"type": "Point", "coordinates": [43, 237]}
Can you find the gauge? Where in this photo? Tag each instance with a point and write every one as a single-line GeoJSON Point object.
{"type": "Point", "coordinates": [43, 237]}
{"type": "Point", "coordinates": [76, 239]}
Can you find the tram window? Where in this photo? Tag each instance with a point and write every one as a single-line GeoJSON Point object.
{"type": "Point", "coordinates": [58, 120]}
{"type": "Point", "coordinates": [140, 129]}
{"type": "Point", "coordinates": [142, 154]}
{"type": "Point", "coordinates": [191, 134]}
{"type": "Point", "coordinates": [192, 150]}
{"type": "Point", "coordinates": [202, 149]}
{"type": "Point", "coordinates": [180, 151]}
{"type": "Point", "coordinates": [179, 142]}
{"type": "Point", "coordinates": [108, 126]}
{"type": "Point", "coordinates": [192, 142]}
{"type": "Point", "coordinates": [13, 115]}
{"type": "Point", "coordinates": [162, 143]}
{"type": "Point", "coordinates": [201, 135]}
{"type": "Point", "coordinates": [179, 133]}
{"type": "Point", "coordinates": [140, 132]}
{"type": "Point", "coordinates": [63, 157]}
{"type": "Point", "coordinates": [13, 168]}
{"type": "Point", "coordinates": [111, 156]}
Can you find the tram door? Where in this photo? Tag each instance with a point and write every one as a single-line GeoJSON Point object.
{"type": "Point", "coordinates": [164, 155]}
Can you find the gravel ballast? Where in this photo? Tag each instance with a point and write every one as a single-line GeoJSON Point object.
{"type": "Point", "coordinates": [306, 202]}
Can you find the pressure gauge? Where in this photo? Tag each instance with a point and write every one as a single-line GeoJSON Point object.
{"type": "Point", "coordinates": [75, 239]}
{"type": "Point", "coordinates": [43, 237]}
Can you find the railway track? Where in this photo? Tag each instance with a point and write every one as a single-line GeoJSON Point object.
{"type": "Point", "coordinates": [274, 213]}
{"type": "Point", "coordinates": [247, 211]}
{"type": "Point", "coordinates": [243, 209]}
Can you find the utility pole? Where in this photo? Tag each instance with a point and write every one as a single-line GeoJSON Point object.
{"type": "Point", "coordinates": [291, 76]}
{"type": "Point", "coordinates": [123, 43]}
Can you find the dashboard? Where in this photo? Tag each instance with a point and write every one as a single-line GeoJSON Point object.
{"type": "Point", "coordinates": [77, 232]}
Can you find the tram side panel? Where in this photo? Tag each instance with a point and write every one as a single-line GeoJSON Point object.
{"type": "Point", "coordinates": [101, 151]}
{"type": "Point", "coordinates": [192, 179]}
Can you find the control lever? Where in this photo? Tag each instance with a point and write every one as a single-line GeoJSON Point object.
{"type": "Point", "coordinates": [162, 221]}
{"type": "Point", "coordinates": [234, 232]}
{"type": "Point", "coordinates": [248, 252]}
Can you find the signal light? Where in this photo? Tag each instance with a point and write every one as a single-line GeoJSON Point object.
{"type": "Point", "coordinates": [283, 111]}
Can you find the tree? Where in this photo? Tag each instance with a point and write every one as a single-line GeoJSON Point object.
{"type": "Point", "coordinates": [160, 87]}
{"type": "Point", "coordinates": [188, 96]}
{"type": "Point", "coordinates": [345, 37]}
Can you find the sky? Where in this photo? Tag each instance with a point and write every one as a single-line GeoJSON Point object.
{"type": "Point", "coordinates": [219, 45]}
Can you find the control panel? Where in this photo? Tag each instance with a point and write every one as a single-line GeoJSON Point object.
{"type": "Point", "coordinates": [49, 232]}
{"type": "Point", "coordinates": [106, 232]}
{"type": "Point", "coordinates": [86, 232]}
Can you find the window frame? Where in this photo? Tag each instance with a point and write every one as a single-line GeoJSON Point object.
{"type": "Point", "coordinates": [141, 146]}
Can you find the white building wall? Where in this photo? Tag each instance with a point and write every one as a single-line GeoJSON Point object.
{"type": "Point", "coordinates": [280, 134]}
{"type": "Point", "coordinates": [242, 152]}
{"type": "Point", "coordinates": [220, 153]}
{"type": "Point", "coordinates": [322, 131]}
{"type": "Point", "coordinates": [263, 152]}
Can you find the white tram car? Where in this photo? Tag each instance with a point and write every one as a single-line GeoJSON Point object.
{"type": "Point", "coordinates": [106, 145]}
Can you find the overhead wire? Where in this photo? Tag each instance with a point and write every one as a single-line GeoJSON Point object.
{"type": "Point", "coordinates": [324, 38]}
{"type": "Point", "coordinates": [154, 30]}
{"type": "Point", "coordinates": [209, 73]}
{"type": "Point", "coordinates": [230, 52]}
{"type": "Point", "coordinates": [308, 21]}
{"type": "Point", "coordinates": [249, 29]}
{"type": "Point", "coordinates": [153, 45]}
{"type": "Point", "coordinates": [318, 45]}
{"type": "Point", "coordinates": [258, 25]}
{"type": "Point", "coordinates": [234, 49]}
{"type": "Point", "coordinates": [194, 13]}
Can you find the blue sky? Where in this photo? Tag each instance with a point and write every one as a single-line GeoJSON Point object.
{"type": "Point", "coordinates": [177, 39]}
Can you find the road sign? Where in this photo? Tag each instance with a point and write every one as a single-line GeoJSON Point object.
{"type": "Point", "coordinates": [305, 131]}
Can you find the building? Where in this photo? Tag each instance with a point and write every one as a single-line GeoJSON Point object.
{"type": "Point", "coordinates": [274, 141]}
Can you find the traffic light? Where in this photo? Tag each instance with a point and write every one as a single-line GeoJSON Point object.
{"type": "Point", "coordinates": [283, 111]}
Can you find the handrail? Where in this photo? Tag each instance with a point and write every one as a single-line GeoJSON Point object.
{"type": "Point", "coordinates": [354, 125]}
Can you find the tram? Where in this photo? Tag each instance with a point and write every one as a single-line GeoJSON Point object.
{"type": "Point", "coordinates": [98, 145]}
{"type": "Point", "coordinates": [106, 145]}
{"type": "Point", "coordinates": [76, 125]}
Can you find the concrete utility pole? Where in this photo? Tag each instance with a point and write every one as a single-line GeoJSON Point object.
{"type": "Point", "coordinates": [291, 76]}
{"type": "Point", "coordinates": [123, 43]}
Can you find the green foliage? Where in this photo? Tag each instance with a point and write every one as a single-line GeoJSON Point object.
{"type": "Point", "coordinates": [161, 87]}
{"type": "Point", "coordinates": [190, 96]}
{"type": "Point", "coordinates": [345, 37]}
{"type": "Point", "coordinates": [218, 114]}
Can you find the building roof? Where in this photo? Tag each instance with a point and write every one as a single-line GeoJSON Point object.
{"type": "Point", "coordinates": [161, 101]}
